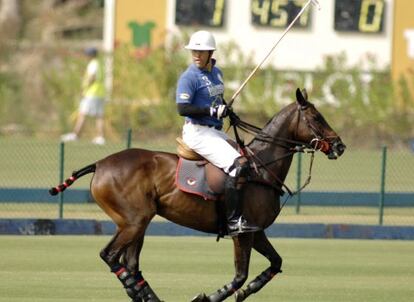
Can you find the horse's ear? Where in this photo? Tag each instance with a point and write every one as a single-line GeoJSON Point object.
{"type": "Point", "coordinates": [302, 98]}
{"type": "Point", "coordinates": [305, 94]}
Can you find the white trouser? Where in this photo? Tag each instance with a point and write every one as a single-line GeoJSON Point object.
{"type": "Point", "coordinates": [212, 145]}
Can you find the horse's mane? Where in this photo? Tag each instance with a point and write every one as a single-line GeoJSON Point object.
{"type": "Point", "coordinates": [284, 112]}
{"type": "Point", "coordinates": [278, 119]}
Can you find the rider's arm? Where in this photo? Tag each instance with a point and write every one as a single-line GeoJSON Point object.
{"type": "Point", "coordinates": [186, 109]}
{"type": "Point", "coordinates": [184, 97]}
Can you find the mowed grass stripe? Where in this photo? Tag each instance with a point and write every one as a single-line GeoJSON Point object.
{"type": "Point", "coordinates": [34, 162]}
{"type": "Point", "coordinates": [68, 268]}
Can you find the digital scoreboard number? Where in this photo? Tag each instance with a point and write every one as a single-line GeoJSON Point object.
{"type": "Point", "coordinates": [209, 13]}
{"type": "Point", "coordinates": [279, 13]}
{"type": "Point", "coordinates": [365, 16]}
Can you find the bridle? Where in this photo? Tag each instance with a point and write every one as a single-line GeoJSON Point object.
{"type": "Point", "coordinates": [318, 143]}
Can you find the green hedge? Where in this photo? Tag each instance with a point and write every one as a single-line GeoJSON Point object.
{"type": "Point", "coordinates": [364, 113]}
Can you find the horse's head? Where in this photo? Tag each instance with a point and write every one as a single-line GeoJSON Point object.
{"type": "Point", "coordinates": [313, 129]}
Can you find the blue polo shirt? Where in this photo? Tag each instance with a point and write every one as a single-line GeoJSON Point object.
{"type": "Point", "coordinates": [201, 88]}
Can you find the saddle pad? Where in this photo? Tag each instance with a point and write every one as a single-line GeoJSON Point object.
{"type": "Point", "coordinates": [191, 178]}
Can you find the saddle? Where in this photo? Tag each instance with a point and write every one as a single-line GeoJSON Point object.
{"type": "Point", "coordinates": [196, 175]}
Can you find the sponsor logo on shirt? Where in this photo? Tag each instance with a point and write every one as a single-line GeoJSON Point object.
{"type": "Point", "coordinates": [184, 96]}
{"type": "Point", "coordinates": [216, 90]}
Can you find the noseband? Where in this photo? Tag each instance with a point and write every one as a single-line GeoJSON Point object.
{"type": "Point", "coordinates": [319, 142]}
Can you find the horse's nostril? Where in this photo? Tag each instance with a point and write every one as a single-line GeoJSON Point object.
{"type": "Point", "coordinates": [332, 155]}
{"type": "Point", "coordinates": [340, 148]}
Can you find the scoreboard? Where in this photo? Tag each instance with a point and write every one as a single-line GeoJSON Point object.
{"type": "Point", "coordinates": [359, 16]}
{"type": "Point", "coordinates": [208, 13]}
{"type": "Point", "coordinates": [365, 16]}
{"type": "Point", "coordinates": [278, 13]}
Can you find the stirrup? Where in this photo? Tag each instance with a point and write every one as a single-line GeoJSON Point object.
{"type": "Point", "coordinates": [241, 226]}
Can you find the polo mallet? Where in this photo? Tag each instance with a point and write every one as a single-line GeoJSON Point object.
{"type": "Point", "coordinates": [314, 2]}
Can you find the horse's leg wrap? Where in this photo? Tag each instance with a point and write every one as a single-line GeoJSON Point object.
{"type": "Point", "coordinates": [136, 286]}
{"type": "Point", "coordinates": [224, 292]}
{"type": "Point", "coordinates": [256, 284]}
{"type": "Point", "coordinates": [128, 281]}
{"type": "Point", "coordinates": [147, 294]}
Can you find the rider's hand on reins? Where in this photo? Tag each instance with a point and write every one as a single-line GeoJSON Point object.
{"type": "Point", "coordinates": [234, 118]}
{"type": "Point", "coordinates": [219, 111]}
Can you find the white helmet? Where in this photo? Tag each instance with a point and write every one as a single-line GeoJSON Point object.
{"type": "Point", "coordinates": [201, 40]}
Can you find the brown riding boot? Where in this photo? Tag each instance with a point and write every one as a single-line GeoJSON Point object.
{"type": "Point", "coordinates": [233, 199]}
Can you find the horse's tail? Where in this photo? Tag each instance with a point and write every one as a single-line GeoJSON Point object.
{"type": "Point", "coordinates": [75, 175]}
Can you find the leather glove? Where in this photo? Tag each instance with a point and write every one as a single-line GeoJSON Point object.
{"type": "Point", "coordinates": [219, 111]}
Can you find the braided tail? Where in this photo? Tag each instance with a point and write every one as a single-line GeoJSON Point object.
{"type": "Point", "coordinates": [75, 175]}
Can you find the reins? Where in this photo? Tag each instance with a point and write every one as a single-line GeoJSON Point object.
{"type": "Point", "coordinates": [293, 146]}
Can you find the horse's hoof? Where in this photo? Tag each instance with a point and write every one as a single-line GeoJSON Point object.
{"type": "Point", "coordinates": [200, 298]}
{"type": "Point", "coordinates": [239, 296]}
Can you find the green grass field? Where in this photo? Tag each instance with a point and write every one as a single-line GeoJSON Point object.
{"type": "Point", "coordinates": [68, 268]}
{"type": "Point", "coordinates": [31, 162]}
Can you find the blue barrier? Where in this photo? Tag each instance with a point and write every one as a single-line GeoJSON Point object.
{"type": "Point", "coordinates": [368, 199]}
{"type": "Point", "coordinates": [42, 195]}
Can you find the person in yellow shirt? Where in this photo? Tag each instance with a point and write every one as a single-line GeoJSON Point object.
{"type": "Point", "coordinates": [93, 99]}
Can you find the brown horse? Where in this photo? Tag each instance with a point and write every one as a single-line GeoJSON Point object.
{"type": "Point", "coordinates": [134, 185]}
